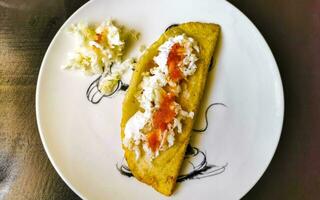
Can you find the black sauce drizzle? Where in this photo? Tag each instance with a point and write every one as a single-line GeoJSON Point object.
{"type": "Point", "coordinates": [206, 117]}
{"type": "Point", "coordinates": [211, 64]}
{"type": "Point", "coordinates": [124, 169]}
{"type": "Point", "coordinates": [171, 26]}
{"type": "Point", "coordinates": [202, 170]}
{"type": "Point", "coordinates": [94, 95]}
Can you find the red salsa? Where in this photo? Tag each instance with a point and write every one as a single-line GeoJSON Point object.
{"type": "Point", "coordinates": [166, 112]}
{"type": "Point", "coordinates": [154, 139]}
{"type": "Point", "coordinates": [175, 58]}
{"type": "Point", "coordinates": [161, 118]}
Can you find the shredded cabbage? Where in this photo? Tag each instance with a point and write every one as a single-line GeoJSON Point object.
{"type": "Point", "coordinates": [100, 52]}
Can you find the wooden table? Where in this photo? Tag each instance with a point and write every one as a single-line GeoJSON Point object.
{"type": "Point", "coordinates": [292, 29]}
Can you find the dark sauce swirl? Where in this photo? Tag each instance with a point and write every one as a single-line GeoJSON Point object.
{"type": "Point", "coordinates": [171, 26]}
{"type": "Point", "coordinates": [94, 95]}
{"type": "Point", "coordinates": [201, 130]}
{"type": "Point", "coordinates": [202, 170]}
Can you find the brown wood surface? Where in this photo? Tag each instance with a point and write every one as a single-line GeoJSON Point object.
{"type": "Point", "coordinates": [26, 28]}
{"type": "Point", "coordinates": [292, 29]}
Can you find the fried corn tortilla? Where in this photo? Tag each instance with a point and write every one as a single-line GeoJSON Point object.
{"type": "Point", "coordinates": [162, 172]}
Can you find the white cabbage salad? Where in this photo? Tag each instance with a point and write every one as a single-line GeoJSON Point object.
{"type": "Point", "coordinates": [100, 52]}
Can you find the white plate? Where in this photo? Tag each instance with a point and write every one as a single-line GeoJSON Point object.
{"type": "Point", "coordinates": [82, 139]}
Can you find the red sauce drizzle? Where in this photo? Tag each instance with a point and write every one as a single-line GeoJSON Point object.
{"type": "Point", "coordinates": [154, 138]}
{"type": "Point", "coordinates": [161, 118]}
{"type": "Point", "coordinates": [175, 57]}
{"type": "Point", "coordinates": [98, 38]}
{"type": "Point", "coordinates": [166, 112]}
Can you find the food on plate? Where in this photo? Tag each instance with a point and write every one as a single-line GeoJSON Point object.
{"type": "Point", "coordinates": [100, 51]}
{"type": "Point", "coordinates": [161, 102]}
{"type": "Point", "coordinates": [119, 71]}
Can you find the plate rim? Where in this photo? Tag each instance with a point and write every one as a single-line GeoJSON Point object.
{"type": "Point", "coordinates": [282, 100]}
{"type": "Point", "coordinates": [37, 106]}
{"type": "Point", "coordinates": [37, 94]}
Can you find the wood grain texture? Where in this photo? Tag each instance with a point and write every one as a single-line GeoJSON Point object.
{"type": "Point", "coordinates": [291, 28]}
{"type": "Point", "coordinates": [27, 28]}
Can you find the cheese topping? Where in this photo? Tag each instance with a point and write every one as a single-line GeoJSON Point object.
{"type": "Point", "coordinates": [100, 52]}
{"type": "Point", "coordinates": [153, 129]}
{"type": "Point", "coordinates": [99, 47]}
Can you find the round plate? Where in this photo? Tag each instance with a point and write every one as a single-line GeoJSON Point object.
{"type": "Point", "coordinates": [224, 161]}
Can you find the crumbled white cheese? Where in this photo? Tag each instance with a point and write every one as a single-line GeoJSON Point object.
{"type": "Point", "coordinates": [147, 150]}
{"type": "Point", "coordinates": [98, 47]}
{"type": "Point", "coordinates": [177, 124]}
{"type": "Point", "coordinates": [100, 52]}
{"type": "Point", "coordinates": [133, 134]}
{"type": "Point", "coordinates": [170, 139]}
{"type": "Point", "coordinates": [84, 60]}
{"type": "Point", "coordinates": [112, 32]}
{"type": "Point", "coordinates": [152, 91]}
{"type": "Point", "coordinates": [137, 151]}
{"type": "Point", "coordinates": [189, 66]}
{"type": "Point", "coordinates": [186, 114]}
{"type": "Point", "coordinates": [82, 31]}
